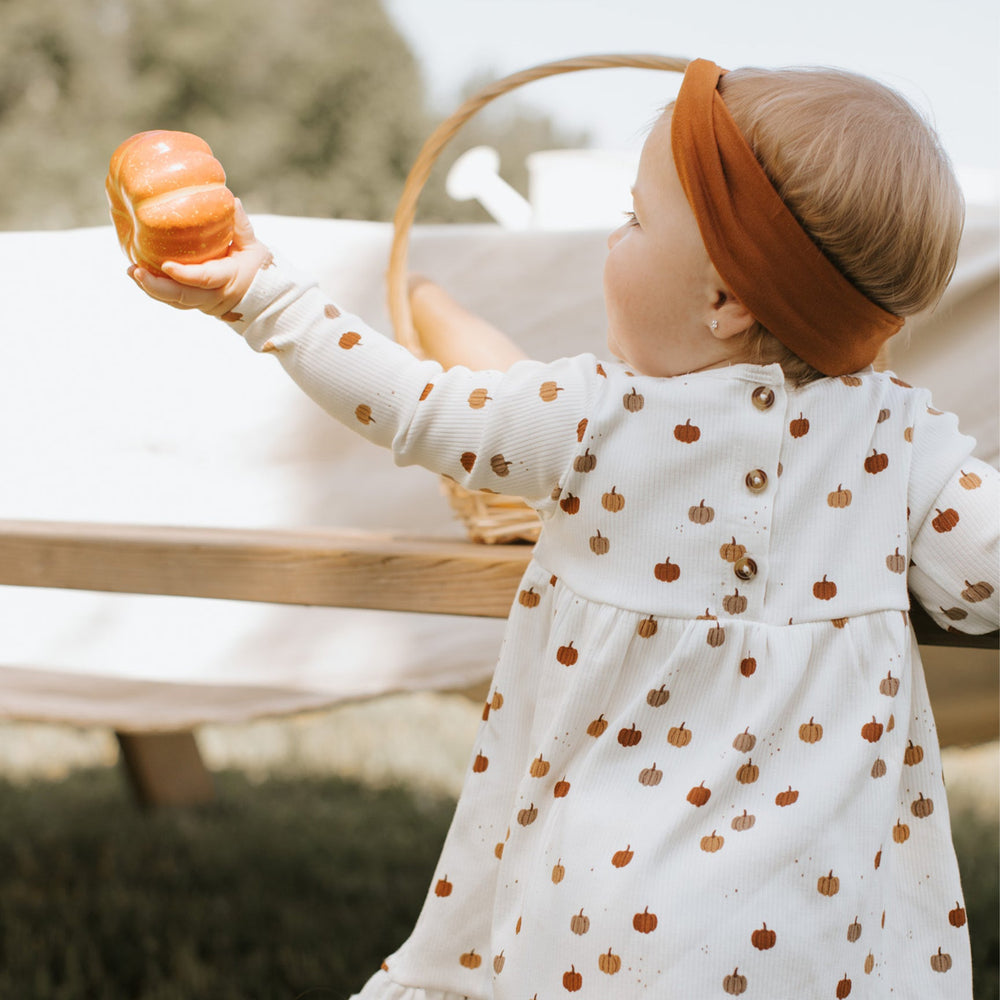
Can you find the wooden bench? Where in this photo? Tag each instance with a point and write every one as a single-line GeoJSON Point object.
{"type": "Point", "coordinates": [381, 571]}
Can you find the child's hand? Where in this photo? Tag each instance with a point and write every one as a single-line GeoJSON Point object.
{"type": "Point", "coordinates": [216, 286]}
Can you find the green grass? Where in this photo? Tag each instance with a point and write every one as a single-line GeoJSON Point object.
{"type": "Point", "coordinates": [292, 888]}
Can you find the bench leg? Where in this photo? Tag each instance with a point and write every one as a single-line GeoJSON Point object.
{"type": "Point", "coordinates": [165, 769]}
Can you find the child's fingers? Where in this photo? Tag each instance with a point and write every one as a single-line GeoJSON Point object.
{"type": "Point", "coordinates": [211, 274]}
{"type": "Point", "coordinates": [164, 289]}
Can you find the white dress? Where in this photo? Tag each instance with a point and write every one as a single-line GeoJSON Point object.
{"type": "Point", "coordinates": [708, 764]}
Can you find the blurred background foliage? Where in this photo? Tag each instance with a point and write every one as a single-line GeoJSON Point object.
{"type": "Point", "coordinates": [314, 107]}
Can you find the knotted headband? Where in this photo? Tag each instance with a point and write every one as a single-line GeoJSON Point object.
{"type": "Point", "coordinates": [758, 246]}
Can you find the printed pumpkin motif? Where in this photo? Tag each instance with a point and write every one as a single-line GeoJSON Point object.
{"type": "Point", "coordinates": [799, 427]}
{"type": "Point", "coordinates": [945, 520]}
{"type": "Point", "coordinates": [647, 628]}
{"type": "Point", "coordinates": [609, 963]}
{"type": "Point", "coordinates": [567, 655]}
{"type": "Point", "coordinates": [734, 604]}
{"type": "Point", "coordinates": [876, 462]}
{"type": "Point", "coordinates": [599, 544]}
{"type": "Point", "coordinates": [612, 501]}
{"type": "Point", "coordinates": [500, 465]}
{"type": "Point", "coordinates": [678, 736]}
{"type": "Point", "coordinates": [763, 938]}
{"type": "Point", "coordinates": [712, 843]}
{"type": "Point", "coordinates": [872, 731]}
{"type": "Point", "coordinates": [839, 497]}
{"type": "Point", "coordinates": [650, 777]}
{"type": "Point", "coordinates": [975, 592]}
{"type": "Point", "coordinates": [666, 571]}
{"type": "Point", "coordinates": [786, 798]}
{"type": "Point", "coordinates": [734, 984]}
{"type": "Point", "coordinates": [470, 960]}
{"type": "Point", "coordinates": [889, 685]}
{"type": "Point", "coordinates": [828, 885]}
{"type": "Point", "coordinates": [811, 731]}
{"type": "Point", "coordinates": [896, 563]}
{"type": "Point", "coordinates": [598, 726]}
{"type": "Point", "coordinates": [700, 513]}
{"type": "Point", "coordinates": [687, 433]}
{"type": "Point", "coordinates": [529, 598]}
{"type": "Point", "coordinates": [629, 737]}
{"type": "Point", "coordinates": [699, 795]}
{"type": "Point", "coordinates": [621, 858]}
{"type": "Point", "coordinates": [633, 401]}
{"type": "Point", "coordinates": [941, 962]}
{"type": "Point", "coordinates": [657, 697]}
{"type": "Point", "coordinates": [570, 504]}
{"type": "Point", "coordinates": [731, 551]}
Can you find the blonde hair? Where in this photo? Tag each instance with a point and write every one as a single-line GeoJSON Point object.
{"type": "Point", "coordinates": [865, 175]}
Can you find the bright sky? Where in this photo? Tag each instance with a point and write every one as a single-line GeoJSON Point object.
{"type": "Point", "coordinates": [943, 54]}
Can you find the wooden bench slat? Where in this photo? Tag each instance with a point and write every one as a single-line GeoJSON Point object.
{"type": "Point", "coordinates": [383, 571]}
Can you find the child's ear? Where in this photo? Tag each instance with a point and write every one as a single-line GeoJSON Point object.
{"type": "Point", "coordinates": [729, 317]}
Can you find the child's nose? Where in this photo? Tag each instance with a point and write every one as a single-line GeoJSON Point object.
{"type": "Point", "coordinates": [616, 236]}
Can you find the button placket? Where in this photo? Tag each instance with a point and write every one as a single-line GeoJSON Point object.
{"type": "Point", "coordinates": [756, 481]}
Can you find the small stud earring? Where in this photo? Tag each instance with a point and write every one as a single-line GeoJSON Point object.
{"type": "Point", "coordinates": [715, 325]}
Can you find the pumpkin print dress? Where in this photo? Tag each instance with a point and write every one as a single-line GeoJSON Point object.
{"type": "Point", "coordinates": [708, 765]}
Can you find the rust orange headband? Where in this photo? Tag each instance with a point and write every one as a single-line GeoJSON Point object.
{"type": "Point", "coordinates": [758, 247]}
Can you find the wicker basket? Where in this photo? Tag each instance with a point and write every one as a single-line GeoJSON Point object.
{"type": "Point", "coordinates": [488, 517]}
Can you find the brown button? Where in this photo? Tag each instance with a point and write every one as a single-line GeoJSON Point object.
{"type": "Point", "coordinates": [745, 568]}
{"type": "Point", "coordinates": [756, 481]}
{"type": "Point", "coordinates": [763, 397]}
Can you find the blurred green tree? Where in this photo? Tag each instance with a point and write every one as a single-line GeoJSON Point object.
{"type": "Point", "coordinates": [315, 107]}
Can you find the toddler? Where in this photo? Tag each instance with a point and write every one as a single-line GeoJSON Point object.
{"type": "Point", "coordinates": [709, 765]}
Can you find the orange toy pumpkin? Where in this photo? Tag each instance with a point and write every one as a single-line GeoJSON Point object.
{"type": "Point", "coordinates": [169, 200]}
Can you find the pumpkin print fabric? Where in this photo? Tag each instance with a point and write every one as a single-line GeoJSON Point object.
{"type": "Point", "coordinates": [707, 765]}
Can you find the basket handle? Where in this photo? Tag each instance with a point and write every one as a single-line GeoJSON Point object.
{"type": "Point", "coordinates": [399, 302]}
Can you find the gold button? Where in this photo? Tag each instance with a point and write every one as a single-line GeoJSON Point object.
{"type": "Point", "coordinates": [763, 397]}
{"type": "Point", "coordinates": [756, 481]}
{"type": "Point", "coordinates": [745, 568]}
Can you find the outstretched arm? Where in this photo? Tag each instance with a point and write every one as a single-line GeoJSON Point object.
{"type": "Point", "coordinates": [452, 335]}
